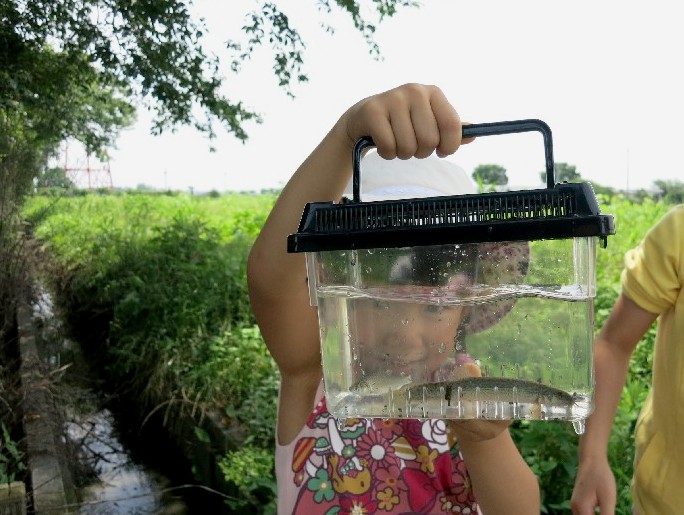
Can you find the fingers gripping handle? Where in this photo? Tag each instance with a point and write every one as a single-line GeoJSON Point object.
{"type": "Point", "coordinates": [470, 131]}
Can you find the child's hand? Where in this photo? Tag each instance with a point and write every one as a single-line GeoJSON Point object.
{"type": "Point", "coordinates": [412, 120]}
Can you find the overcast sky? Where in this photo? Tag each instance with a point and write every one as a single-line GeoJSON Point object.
{"type": "Point", "coordinates": [605, 75]}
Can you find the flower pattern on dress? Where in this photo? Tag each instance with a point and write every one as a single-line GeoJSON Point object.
{"type": "Point", "coordinates": [377, 451]}
{"type": "Point", "coordinates": [390, 478]}
{"type": "Point", "coordinates": [461, 489]}
{"type": "Point", "coordinates": [321, 486]}
{"type": "Point", "coordinates": [389, 427]}
{"type": "Point", "coordinates": [367, 466]}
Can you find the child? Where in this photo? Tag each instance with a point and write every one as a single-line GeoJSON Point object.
{"type": "Point", "coordinates": [652, 283]}
{"type": "Point", "coordinates": [409, 121]}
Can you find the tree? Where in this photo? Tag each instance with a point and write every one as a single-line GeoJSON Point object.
{"type": "Point", "coordinates": [563, 172]}
{"type": "Point", "coordinates": [672, 191]}
{"type": "Point", "coordinates": [54, 178]}
{"type": "Point", "coordinates": [82, 65]}
{"type": "Point", "coordinates": [490, 174]}
{"type": "Point", "coordinates": [600, 189]}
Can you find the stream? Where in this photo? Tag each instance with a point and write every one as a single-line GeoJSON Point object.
{"type": "Point", "coordinates": [115, 467]}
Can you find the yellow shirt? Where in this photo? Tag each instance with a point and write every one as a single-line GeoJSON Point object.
{"type": "Point", "coordinates": [653, 278]}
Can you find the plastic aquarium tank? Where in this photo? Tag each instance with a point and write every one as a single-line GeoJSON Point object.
{"type": "Point", "coordinates": [458, 331]}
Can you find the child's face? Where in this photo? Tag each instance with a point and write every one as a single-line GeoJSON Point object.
{"type": "Point", "coordinates": [404, 337]}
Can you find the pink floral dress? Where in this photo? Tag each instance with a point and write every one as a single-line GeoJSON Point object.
{"type": "Point", "coordinates": [372, 466]}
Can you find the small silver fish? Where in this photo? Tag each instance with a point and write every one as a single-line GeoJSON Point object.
{"type": "Point", "coordinates": [380, 383]}
{"type": "Point", "coordinates": [492, 389]}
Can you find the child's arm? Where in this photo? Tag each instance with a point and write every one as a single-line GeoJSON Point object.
{"type": "Point", "coordinates": [503, 483]}
{"type": "Point", "coordinates": [412, 120]}
{"type": "Point", "coordinates": [595, 482]}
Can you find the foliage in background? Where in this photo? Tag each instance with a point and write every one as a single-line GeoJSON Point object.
{"type": "Point", "coordinates": [671, 191]}
{"type": "Point", "coordinates": [78, 68]}
{"type": "Point", "coordinates": [563, 172]}
{"type": "Point", "coordinates": [17, 162]}
{"type": "Point", "coordinates": [164, 263]}
{"type": "Point", "coordinates": [166, 276]}
{"type": "Point", "coordinates": [250, 469]}
{"type": "Point", "coordinates": [490, 174]}
{"type": "Point", "coordinates": [11, 456]}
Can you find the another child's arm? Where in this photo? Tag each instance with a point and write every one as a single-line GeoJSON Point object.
{"type": "Point", "coordinates": [411, 120]}
{"type": "Point", "coordinates": [595, 482]}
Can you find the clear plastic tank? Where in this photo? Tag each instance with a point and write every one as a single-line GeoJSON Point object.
{"type": "Point", "coordinates": [483, 330]}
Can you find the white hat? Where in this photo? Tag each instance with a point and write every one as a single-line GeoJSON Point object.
{"type": "Point", "coordinates": [394, 179]}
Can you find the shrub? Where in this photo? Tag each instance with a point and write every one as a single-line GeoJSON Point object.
{"type": "Point", "coordinates": [250, 470]}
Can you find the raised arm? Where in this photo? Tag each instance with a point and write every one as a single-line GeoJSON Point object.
{"type": "Point", "coordinates": [411, 120]}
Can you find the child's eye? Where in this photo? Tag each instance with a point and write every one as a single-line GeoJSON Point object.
{"type": "Point", "coordinates": [434, 308]}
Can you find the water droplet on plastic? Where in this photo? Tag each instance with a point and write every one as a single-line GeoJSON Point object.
{"type": "Point", "coordinates": [579, 426]}
{"type": "Point", "coordinates": [442, 347]}
{"type": "Point", "coordinates": [404, 321]}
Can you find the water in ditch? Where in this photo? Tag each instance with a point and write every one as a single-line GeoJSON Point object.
{"type": "Point", "coordinates": [114, 468]}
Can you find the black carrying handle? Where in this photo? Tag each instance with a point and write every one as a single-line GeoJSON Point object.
{"type": "Point", "coordinates": [469, 131]}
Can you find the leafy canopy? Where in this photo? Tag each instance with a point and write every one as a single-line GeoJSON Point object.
{"type": "Point", "coordinates": [492, 174]}
{"type": "Point", "coordinates": [79, 68]}
{"type": "Point", "coordinates": [563, 172]}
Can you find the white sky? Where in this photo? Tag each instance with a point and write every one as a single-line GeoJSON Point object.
{"type": "Point", "coordinates": [605, 75]}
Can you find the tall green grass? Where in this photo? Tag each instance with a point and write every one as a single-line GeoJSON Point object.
{"type": "Point", "coordinates": [165, 275]}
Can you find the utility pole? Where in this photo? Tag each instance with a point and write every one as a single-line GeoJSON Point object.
{"type": "Point", "coordinates": [627, 186]}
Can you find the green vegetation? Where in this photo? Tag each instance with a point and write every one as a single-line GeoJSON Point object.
{"type": "Point", "coordinates": [490, 174]}
{"type": "Point", "coordinates": [11, 456]}
{"type": "Point", "coordinates": [162, 278]}
{"type": "Point", "coordinates": [154, 286]}
{"type": "Point", "coordinates": [165, 276]}
{"type": "Point", "coordinates": [563, 172]}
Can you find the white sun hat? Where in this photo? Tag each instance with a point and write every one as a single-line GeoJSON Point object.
{"type": "Point", "coordinates": [393, 179]}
